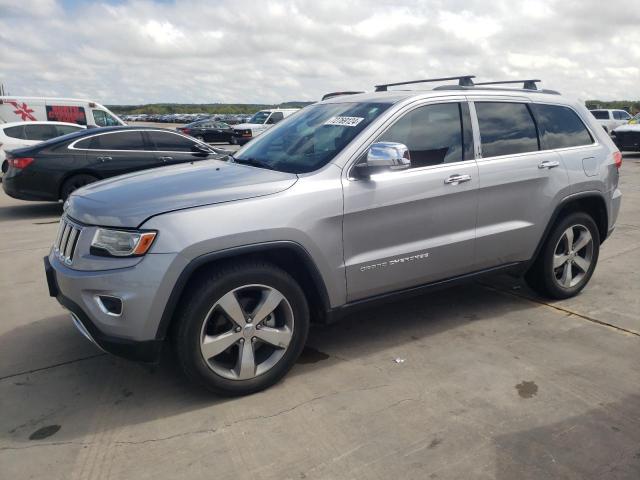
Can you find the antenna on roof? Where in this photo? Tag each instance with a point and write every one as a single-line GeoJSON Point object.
{"type": "Point", "coordinates": [463, 81]}
{"type": "Point", "coordinates": [528, 84]}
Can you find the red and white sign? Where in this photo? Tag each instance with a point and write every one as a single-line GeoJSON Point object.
{"type": "Point", "coordinates": [23, 110]}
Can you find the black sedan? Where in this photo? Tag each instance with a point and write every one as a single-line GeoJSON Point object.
{"type": "Point", "coordinates": [208, 131]}
{"type": "Point", "coordinates": [53, 169]}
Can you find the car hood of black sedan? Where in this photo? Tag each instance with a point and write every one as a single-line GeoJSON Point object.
{"type": "Point", "coordinates": [129, 200]}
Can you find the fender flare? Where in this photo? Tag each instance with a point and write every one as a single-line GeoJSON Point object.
{"type": "Point", "coordinates": [193, 265]}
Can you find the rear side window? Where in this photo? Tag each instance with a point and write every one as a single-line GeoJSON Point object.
{"type": "Point", "coordinates": [275, 118]}
{"type": "Point", "coordinates": [433, 133]}
{"type": "Point", "coordinates": [40, 132]}
{"type": "Point", "coordinates": [15, 132]}
{"type": "Point", "coordinates": [65, 129]}
{"type": "Point", "coordinates": [114, 141]}
{"type": "Point", "coordinates": [600, 114]}
{"type": "Point", "coordinates": [560, 127]}
{"type": "Point", "coordinates": [170, 142]}
{"type": "Point", "coordinates": [506, 128]}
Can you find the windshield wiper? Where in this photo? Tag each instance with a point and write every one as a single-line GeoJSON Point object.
{"type": "Point", "coordinates": [254, 162]}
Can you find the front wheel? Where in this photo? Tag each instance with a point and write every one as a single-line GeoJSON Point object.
{"type": "Point", "coordinates": [568, 258]}
{"type": "Point", "coordinates": [242, 328]}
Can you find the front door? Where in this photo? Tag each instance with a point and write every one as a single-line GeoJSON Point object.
{"type": "Point", "coordinates": [407, 228]}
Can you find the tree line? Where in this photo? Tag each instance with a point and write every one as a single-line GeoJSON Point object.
{"type": "Point", "coordinates": [215, 108]}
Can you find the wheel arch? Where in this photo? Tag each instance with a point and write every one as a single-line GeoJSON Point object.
{"type": "Point", "coordinates": [290, 256]}
{"type": "Point", "coordinates": [592, 203]}
{"type": "Point", "coordinates": [73, 173]}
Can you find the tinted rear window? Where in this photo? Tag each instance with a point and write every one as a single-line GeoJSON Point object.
{"type": "Point", "coordinates": [170, 142]}
{"type": "Point", "coordinates": [600, 114]}
{"type": "Point", "coordinates": [560, 127]}
{"type": "Point", "coordinates": [506, 128]}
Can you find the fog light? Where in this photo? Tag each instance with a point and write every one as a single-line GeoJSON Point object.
{"type": "Point", "coordinates": [110, 305]}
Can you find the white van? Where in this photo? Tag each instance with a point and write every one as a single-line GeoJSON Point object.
{"type": "Point", "coordinates": [69, 110]}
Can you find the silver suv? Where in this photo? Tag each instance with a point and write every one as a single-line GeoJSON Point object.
{"type": "Point", "coordinates": [351, 200]}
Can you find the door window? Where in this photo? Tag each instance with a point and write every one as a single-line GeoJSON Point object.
{"type": "Point", "coordinates": [560, 127]}
{"type": "Point", "coordinates": [600, 114]}
{"type": "Point", "coordinates": [114, 141]}
{"type": "Point", "coordinates": [275, 118]}
{"type": "Point", "coordinates": [103, 119]}
{"type": "Point", "coordinates": [65, 129]}
{"type": "Point", "coordinates": [434, 134]}
{"type": "Point", "coordinates": [40, 132]}
{"type": "Point", "coordinates": [621, 115]}
{"type": "Point", "coordinates": [506, 128]}
{"type": "Point", "coordinates": [170, 142]}
{"type": "Point", "coordinates": [15, 132]}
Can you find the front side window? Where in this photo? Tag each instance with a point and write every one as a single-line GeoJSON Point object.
{"type": "Point", "coordinates": [506, 128]}
{"type": "Point", "coordinates": [560, 127]}
{"type": "Point", "coordinates": [600, 114]}
{"type": "Point", "coordinates": [259, 118]}
{"type": "Point", "coordinates": [40, 132]}
{"type": "Point", "coordinates": [621, 115]}
{"type": "Point", "coordinates": [434, 134]}
{"type": "Point", "coordinates": [169, 142]}
{"type": "Point", "coordinates": [311, 138]}
{"type": "Point", "coordinates": [103, 119]}
{"type": "Point", "coordinates": [275, 118]}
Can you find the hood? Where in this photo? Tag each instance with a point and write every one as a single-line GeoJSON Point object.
{"type": "Point", "coordinates": [628, 127]}
{"type": "Point", "coordinates": [244, 126]}
{"type": "Point", "coordinates": [129, 200]}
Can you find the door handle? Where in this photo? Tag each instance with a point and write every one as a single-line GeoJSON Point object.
{"type": "Point", "coordinates": [457, 179]}
{"type": "Point", "coordinates": [104, 159]}
{"type": "Point", "coordinates": [165, 159]}
{"type": "Point", "coordinates": [549, 164]}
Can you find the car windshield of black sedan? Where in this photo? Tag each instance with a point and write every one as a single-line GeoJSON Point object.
{"type": "Point", "coordinates": [310, 138]}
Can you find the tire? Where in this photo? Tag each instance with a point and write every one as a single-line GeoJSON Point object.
{"type": "Point", "coordinates": [73, 183]}
{"type": "Point", "coordinates": [233, 141]}
{"type": "Point", "coordinates": [573, 268]}
{"type": "Point", "coordinates": [221, 348]}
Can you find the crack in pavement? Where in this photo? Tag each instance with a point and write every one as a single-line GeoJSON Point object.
{"type": "Point", "coordinates": [561, 309]}
{"type": "Point", "coordinates": [61, 364]}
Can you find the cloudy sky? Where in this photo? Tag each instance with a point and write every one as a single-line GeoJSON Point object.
{"type": "Point", "coordinates": [245, 51]}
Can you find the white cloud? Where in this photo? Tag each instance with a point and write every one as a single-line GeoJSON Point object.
{"type": "Point", "coordinates": [142, 51]}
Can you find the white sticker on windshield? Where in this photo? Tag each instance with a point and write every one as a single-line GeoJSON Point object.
{"type": "Point", "coordinates": [344, 121]}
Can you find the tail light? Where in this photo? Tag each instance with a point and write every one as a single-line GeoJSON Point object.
{"type": "Point", "coordinates": [186, 131]}
{"type": "Point", "coordinates": [617, 158]}
{"type": "Point", "coordinates": [19, 162]}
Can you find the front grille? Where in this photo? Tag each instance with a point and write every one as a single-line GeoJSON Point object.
{"type": "Point", "coordinates": [66, 241]}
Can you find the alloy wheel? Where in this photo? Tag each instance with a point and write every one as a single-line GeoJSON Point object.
{"type": "Point", "coordinates": [573, 256]}
{"type": "Point", "coordinates": [246, 332]}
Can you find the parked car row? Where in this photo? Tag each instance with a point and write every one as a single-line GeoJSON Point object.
{"type": "Point", "coordinates": [186, 118]}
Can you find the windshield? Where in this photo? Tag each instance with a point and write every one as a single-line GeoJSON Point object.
{"type": "Point", "coordinates": [259, 117]}
{"type": "Point", "coordinates": [310, 138]}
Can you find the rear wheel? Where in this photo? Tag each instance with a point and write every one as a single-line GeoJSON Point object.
{"type": "Point", "coordinates": [73, 183]}
{"type": "Point", "coordinates": [568, 258]}
{"type": "Point", "coordinates": [242, 328]}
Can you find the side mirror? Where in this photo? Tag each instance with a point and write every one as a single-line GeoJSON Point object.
{"type": "Point", "coordinates": [201, 150]}
{"type": "Point", "coordinates": [384, 157]}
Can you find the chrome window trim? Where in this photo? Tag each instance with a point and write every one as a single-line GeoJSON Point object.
{"type": "Point", "coordinates": [72, 146]}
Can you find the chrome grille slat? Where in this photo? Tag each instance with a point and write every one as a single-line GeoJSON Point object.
{"type": "Point", "coordinates": [66, 240]}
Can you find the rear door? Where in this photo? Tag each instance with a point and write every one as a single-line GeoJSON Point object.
{"type": "Point", "coordinates": [407, 228]}
{"type": "Point", "coordinates": [172, 148]}
{"type": "Point", "coordinates": [519, 183]}
{"type": "Point", "coordinates": [116, 153]}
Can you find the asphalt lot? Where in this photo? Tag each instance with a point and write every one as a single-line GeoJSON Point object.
{"type": "Point", "coordinates": [482, 381]}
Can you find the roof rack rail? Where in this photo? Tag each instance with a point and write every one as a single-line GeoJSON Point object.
{"type": "Point", "coordinates": [527, 84]}
{"type": "Point", "coordinates": [463, 81]}
{"type": "Point", "coordinates": [337, 94]}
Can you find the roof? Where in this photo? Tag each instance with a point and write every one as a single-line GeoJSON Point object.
{"type": "Point", "coordinates": [38, 122]}
{"type": "Point", "coordinates": [57, 99]}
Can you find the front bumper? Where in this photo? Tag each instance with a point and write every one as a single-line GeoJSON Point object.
{"type": "Point", "coordinates": [117, 335]}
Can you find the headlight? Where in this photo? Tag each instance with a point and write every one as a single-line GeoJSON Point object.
{"type": "Point", "coordinates": [121, 243]}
